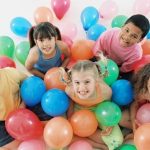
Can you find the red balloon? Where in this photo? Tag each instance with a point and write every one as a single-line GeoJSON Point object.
{"type": "Point", "coordinates": [143, 61]}
{"type": "Point", "coordinates": [6, 62]}
{"type": "Point", "coordinates": [142, 115]}
{"type": "Point", "coordinates": [60, 7]}
{"type": "Point", "coordinates": [22, 124]}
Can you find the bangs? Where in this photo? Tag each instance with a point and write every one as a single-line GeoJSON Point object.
{"type": "Point", "coordinates": [42, 34]}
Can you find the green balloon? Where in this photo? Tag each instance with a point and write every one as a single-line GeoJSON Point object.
{"type": "Point", "coordinates": [22, 51]}
{"type": "Point", "coordinates": [7, 46]}
{"type": "Point", "coordinates": [113, 71]}
{"type": "Point", "coordinates": [127, 147]}
{"type": "Point", "coordinates": [108, 113]}
{"type": "Point", "coordinates": [118, 21]}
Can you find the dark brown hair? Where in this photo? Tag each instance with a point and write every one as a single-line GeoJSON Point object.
{"type": "Point", "coordinates": [43, 30]}
{"type": "Point", "coordinates": [140, 80]}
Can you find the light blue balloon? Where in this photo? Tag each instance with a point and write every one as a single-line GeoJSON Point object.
{"type": "Point", "coordinates": [20, 26]}
{"type": "Point", "coordinates": [55, 102]}
{"type": "Point", "coordinates": [89, 17]}
{"type": "Point", "coordinates": [95, 31]}
{"type": "Point", "coordinates": [32, 90]}
{"type": "Point", "coordinates": [148, 35]}
{"type": "Point", "coordinates": [122, 92]}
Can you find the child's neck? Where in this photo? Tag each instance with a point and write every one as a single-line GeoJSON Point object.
{"type": "Point", "coordinates": [51, 55]}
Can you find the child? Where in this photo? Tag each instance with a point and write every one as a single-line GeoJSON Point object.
{"type": "Point", "coordinates": [123, 45]}
{"type": "Point", "coordinates": [46, 49]}
{"type": "Point", "coordinates": [87, 89]}
{"type": "Point", "coordinates": [141, 84]}
{"type": "Point", "coordinates": [10, 79]}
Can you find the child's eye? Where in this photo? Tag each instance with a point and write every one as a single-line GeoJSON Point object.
{"type": "Point", "coordinates": [87, 82]}
{"type": "Point", "coordinates": [77, 82]}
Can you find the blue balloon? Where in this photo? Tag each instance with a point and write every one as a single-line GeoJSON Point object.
{"type": "Point", "coordinates": [95, 31]}
{"type": "Point", "coordinates": [20, 26]}
{"type": "Point", "coordinates": [55, 102]}
{"type": "Point", "coordinates": [89, 17]}
{"type": "Point", "coordinates": [32, 90]}
{"type": "Point", "coordinates": [122, 92]}
{"type": "Point", "coordinates": [148, 35]}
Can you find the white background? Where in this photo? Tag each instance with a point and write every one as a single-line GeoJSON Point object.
{"type": "Point", "coordinates": [10, 9]}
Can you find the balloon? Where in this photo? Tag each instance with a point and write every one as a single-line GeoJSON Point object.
{"type": "Point", "coordinates": [21, 51]}
{"type": "Point", "coordinates": [20, 26]}
{"type": "Point", "coordinates": [118, 21]}
{"type": "Point", "coordinates": [95, 31]}
{"type": "Point", "coordinates": [83, 47]}
{"type": "Point", "coordinates": [113, 71]}
{"type": "Point", "coordinates": [84, 123]}
{"type": "Point", "coordinates": [55, 102]}
{"type": "Point", "coordinates": [108, 113]}
{"type": "Point", "coordinates": [141, 7]}
{"type": "Point", "coordinates": [43, 14]}
{"type": "Point", "coordinates": [71, 63]}
{"type": "Point", "coordinates": [69, 29]}
{"type": "Point", "coordinates": [146, 47]}
{"type": "Point", "coordinates": [80, 145]}
{"type": "Point", "coordinates": [142, 137]}
{"type": "Point", "coordinates": [22, 124]}
{"type": "Point", "coordinates": [89, 17]}
{"type": "Point", "coordinates": [143, 112]}
{"type": "Point", "coordinates": [140, 63]}
{"type": "Point", "coordinates": [54, 78]}
{"type": "Point", "coordinates": [58, 133]}
{"type": "Point", "coordinates": [7, 46]}
{"type": "Point", "coordinates": [32, 90]}
{"type": "Point", "coordinates": [32, 144]}
{"type": "Point", "coordinates": [67, 40]}
{"type": "Point", "coordinates": [126, 147]}
{"type": "Point", "coordinates": [108, 5]}
{"type": "Point", "coordinates": [148, 35]}
{"type": "Point", "coordinates": [60, 7]}
{"type": "Point", "coordinates": [6, 62]}
{"type": "Point", "coordinates": [122, 92]}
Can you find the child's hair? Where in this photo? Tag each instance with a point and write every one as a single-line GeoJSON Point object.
{"type": "Point", "coordinates": [43, 30]}
{"type": "Point", "coordinates": [141, 22]}
{"type": "Point", "coordinates": [140, 80]}
{"type": "Point", "coordinates": [85, 65]}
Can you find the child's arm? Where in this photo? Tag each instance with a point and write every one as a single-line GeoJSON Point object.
{"type": "Point", "coordinates": [65, 51]}
{"type": "Point", "coordinates": [31, 60]}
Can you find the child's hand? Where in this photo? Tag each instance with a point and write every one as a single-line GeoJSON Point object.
{"type": "Point", "coordinates": [107, 131]}
{"type": "Point", "coordinates": [103, 59]}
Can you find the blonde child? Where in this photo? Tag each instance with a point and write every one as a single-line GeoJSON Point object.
{"type": "Point", "coordinates": [87, 89]}
{"type": "Point", "coordinates": [10, 80]}
{"type": "Point", "coordinates": [46, 49]}
{"type": "Point", "coordinates": [123, 44]}
{"type": "Point", "coordinates": [141, 84]}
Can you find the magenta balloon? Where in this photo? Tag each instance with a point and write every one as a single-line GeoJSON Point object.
{"type": "Point", "coordinates": [143, 114]}
{"type": "Point", "coordinates": [80, 145]}
{"type": "Point", "coordinates": [36, 144]}
{"type": "Point", "coordinates": [60, 7]}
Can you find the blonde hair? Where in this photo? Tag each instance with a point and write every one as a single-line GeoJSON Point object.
{"type": "Point", "coordinates": [85, 65]}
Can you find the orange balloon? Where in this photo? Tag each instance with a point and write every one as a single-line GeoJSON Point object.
{"type": "Point", "coordinates": [58, 133]}
{"type": "Point", "coordinates": [146, 47]}
{"type": "Point", "coordinates": [84, 123]}
{"type": "Point", "coordinates": [54, 78]}
{"type": "Point", "coordinates": [82, 49]}
{"type": "Point", "coordinates": [43, 14]}
{"type": "Point", "coordinates": [142, 137]}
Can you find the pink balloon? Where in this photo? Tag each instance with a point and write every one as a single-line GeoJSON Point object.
{"type": "Point", "coordinates": [67, 40]}
{"type": "Point", "coordinates": [60, 7]}
{"type": "Point", "coordinates": [69, 29]}
{"type": "Point", "coordinates": [141, 7]}
{"type": "Point", "coordinates": [108, 5]}
{"type": "Point", "coordinates": [143, 114]}
{"type": "Point", "coordinates": [80, 145]}
{"type": "Point", "coordinates": [36, 144]}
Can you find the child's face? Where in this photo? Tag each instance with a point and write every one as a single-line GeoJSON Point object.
{"type": "Point", "coordinates": [84, 84]}
{"type": "Point", "coordinates": [129, 35]}
{"type": "Point", "coordinates": [46, 45]}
